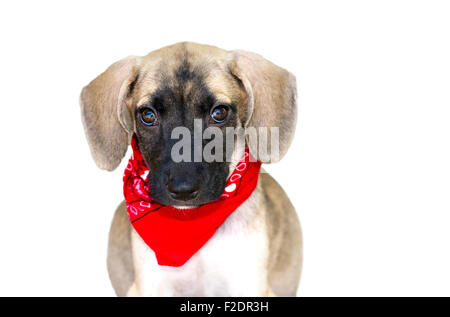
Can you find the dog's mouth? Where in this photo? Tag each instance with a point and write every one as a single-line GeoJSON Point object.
{"type": "Point", "coordinates": [185, 207]}
{"type": "Point", "coordinates": [184, 204]}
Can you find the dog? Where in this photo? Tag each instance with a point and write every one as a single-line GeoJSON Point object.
{"type": "Point", "coordinates": [257, 250]}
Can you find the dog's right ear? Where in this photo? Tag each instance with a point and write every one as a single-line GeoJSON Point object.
{"type": "Point", "coordinates": [107, 120]}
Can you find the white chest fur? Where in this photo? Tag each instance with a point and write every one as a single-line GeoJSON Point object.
{"type": "Point", "coordinates": [232, 263]}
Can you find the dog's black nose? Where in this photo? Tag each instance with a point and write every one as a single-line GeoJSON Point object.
{"type": "Point", "coordinates": [182, 189]}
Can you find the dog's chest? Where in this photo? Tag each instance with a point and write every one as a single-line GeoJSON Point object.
{"type": "Point", "coordinates": [232, 263]}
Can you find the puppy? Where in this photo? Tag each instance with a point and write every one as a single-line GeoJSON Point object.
{"type": "Point", "coordinates": [257, 250]}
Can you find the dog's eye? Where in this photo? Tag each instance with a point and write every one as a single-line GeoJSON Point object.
{"type": "Point", "coordinates": [148, 116]}
{"type": "Point", "coordinates": [219, 113]}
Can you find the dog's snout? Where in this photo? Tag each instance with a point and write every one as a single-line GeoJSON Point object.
{"type": "Point", "coordinates": [182, 188]}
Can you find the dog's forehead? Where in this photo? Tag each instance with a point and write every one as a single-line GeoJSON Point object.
{"type": "Point", "coordinates": [186, 68]}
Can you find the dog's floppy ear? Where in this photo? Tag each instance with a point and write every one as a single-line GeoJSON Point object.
{"type": "Point", "coordinates": [106, 118]}
{"type": "Point", "coordinates": [271, 99]}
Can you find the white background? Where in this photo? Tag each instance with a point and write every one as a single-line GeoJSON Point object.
{"type": "Point", "coordinates": [369, 169]}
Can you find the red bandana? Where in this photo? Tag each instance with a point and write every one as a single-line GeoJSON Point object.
{"type": "Point", "coordinates": [173, 234]}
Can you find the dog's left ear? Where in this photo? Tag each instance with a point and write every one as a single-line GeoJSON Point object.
{"type": "Point", "coordinates": [271, 100]}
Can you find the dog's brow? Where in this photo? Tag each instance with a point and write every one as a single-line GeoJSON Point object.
{"type": "Point", "coordinates": [144, 101]}
{"type": "Point", "coordinates": [223, 98]}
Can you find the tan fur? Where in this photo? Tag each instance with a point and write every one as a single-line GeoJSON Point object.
{"type": "Point", "coordinates": [266, 97]}
{"type": "Point", "coordinates": [285, 239]}
{"type": "Point", "coordinates": [101, 107]}
{"type": "Point", "coordinates": [271, 93]}
{"type": "Point", "coordinates": [119, 260]}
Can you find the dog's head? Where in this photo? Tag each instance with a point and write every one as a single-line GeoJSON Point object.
{"type": "Point", "coordinates": [169, 88]}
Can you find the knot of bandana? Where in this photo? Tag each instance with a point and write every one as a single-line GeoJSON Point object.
{"type": "Point", "coordinates": [176, 235]}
